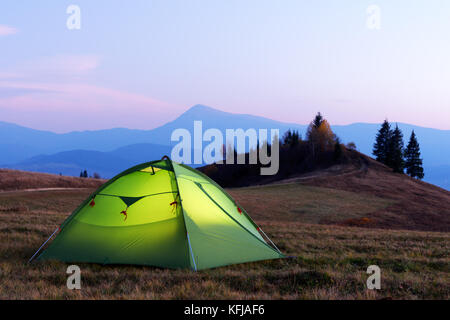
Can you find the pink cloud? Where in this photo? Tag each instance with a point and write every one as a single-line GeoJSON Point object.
{"type": "Point", "coordinates": [52, 93]}
{"type": "Point", "coordinates": [64, 67]}
{"type": "Point", "coordinates": [72, 104]}
{"type": "Point", "coordinates": [61, 65]}
{"type": "Point", "coordinates": [10, 75]}
{"type": "Point", "coordinates": [7, 30]}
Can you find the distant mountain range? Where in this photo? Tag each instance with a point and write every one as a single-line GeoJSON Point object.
{"type": "Point", "coordinates": [107, 164]}
{"type": "Point", "coordinates": [108, 152]}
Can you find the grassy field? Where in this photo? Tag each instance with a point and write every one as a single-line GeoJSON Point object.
{"type": "Point", "coordinates": [330, 261]}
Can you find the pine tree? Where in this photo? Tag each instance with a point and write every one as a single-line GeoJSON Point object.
{"type": "Point", "coordinates": [295, 138]}
{"type": "Point", "coordinates": [413, 162]}
{"type": "Point", "coordinates": [291, 138]}
{"type": "Point", "coordinates": [85, 174]}
{"type": "Point", "coordinates": [396, 151]}
{"type": "Point", "coordinates": [337, 149]}
{"type": "Point", "coordinates": [287, 137]}
{"type": "Point", "coordinates": [381, 146]}
{"type": "Point", "coordinates": [317, 120]}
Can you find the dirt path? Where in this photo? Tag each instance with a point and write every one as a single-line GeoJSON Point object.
{"type": "Point", "coordinates": [334, 171]}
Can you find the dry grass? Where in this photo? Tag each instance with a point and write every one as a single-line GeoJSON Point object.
{"type": "Point", "coordinates": [307, 204]}
{"type": "Point", "coordinates": [20, 180]}
{"type": "Point", "coordinates": [330, 263]}
{"type": "Point", "coordinates": [385, 199]}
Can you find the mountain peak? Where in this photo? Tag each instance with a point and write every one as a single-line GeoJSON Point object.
{"type": "Point", "coordinates": [200, 108]}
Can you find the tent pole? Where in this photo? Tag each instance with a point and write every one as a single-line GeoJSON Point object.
{"type": "Point", "coordinates": [192, 253]}
{"type": "Point", "coordinates": [270, 240]}
{"type": "Point", "coordinates": [56, 230]}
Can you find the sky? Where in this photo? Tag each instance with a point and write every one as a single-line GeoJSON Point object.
{"type": "Point", "coordinates": [142, 63]}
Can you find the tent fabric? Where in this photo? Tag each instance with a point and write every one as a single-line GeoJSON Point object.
{"type": "Point", "coordinates": [162, 214]}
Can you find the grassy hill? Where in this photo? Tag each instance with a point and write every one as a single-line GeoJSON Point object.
{"type": "Point", "coordinates": [330, 261]}
{"type": "Point", "coordinates": [19, 180]}
{"type": "Point", "coordinates": [360, 192]}
{"type": "Point", "coordinates": [415, 204]}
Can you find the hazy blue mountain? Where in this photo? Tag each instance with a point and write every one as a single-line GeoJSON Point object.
{"type": "Point", "coordinates": [31, 142]}
{"type": "Point", "coordinates": [107, 164]}
{"type": "Point", "coordinates": [72, 162]}
{"type": "Point", "coordinates": [438, 175]}
{"type": "Point", "coordinates": [221, 120]}
{"type": "Point", "coordinates": [19, 143]}
{"type": "Point", "coordinates": [116, 149]}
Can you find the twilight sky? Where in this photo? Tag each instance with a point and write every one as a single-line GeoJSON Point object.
{"type": "Point", "coordinates": [139, 64]}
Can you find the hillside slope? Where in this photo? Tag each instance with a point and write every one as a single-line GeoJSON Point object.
{"type": "Point", "coordinates": [22, 180]}
{"type": "Point", "coordinates": [364, 194]}
{"type": "Point", "coordinates": [418, 205]}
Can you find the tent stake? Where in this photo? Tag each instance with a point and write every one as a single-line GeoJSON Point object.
{"type": "Point", "coordinates": [43, 245]}
{"type": "Point", "coordinates": [270, 240]}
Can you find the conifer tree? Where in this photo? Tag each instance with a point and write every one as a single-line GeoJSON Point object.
{"type": "Point", "coordinates": [413, 162]}
{"type": "Point", "coordinates": [318, 119]}
{"type": "Point", "coordinates": [291, 138]}
{"type": "Point", "coordinates": [287, 137]}
{"type": "Point", "coordinates": [337, 149]}
{"type": "Point", "coordinates": [381, 146]}
{"type": "Point", "coordinates": [295, 138]}
{"type": "Point", "coordinates": [396, 151]}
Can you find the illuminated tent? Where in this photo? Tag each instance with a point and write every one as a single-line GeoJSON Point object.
{"type": "Point", "coordinates": [161, 214]}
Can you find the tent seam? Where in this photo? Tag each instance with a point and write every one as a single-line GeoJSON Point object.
{"type": "Point", "coordinates": [182, 212]}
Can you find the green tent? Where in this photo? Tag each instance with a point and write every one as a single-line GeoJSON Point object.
{"type": "Point", "coordinates": [163, 214]}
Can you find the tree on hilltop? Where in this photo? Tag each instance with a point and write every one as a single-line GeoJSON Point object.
{"type": "Point", "coordinates": [413, 162]}
{"type": "Point", "coordinates": [381, 146]}
{"type": "Point", "coordinates": [396, 151]}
